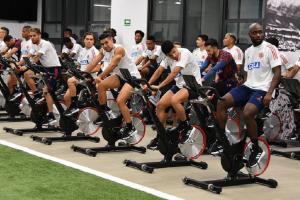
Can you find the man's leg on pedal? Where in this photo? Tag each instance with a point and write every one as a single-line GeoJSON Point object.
{"type": "Point", "coordinates": [252, 108]}
{"type": "Point", "coordinates": [123, 96]}
{"type": "Point", "coordinates": [177, 103]}
{"type": "Point", "coordinates": [70, 98]}
{"type": "Point", "coordinates": [110, 82]}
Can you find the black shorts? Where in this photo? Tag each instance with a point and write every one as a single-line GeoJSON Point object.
{"type": "Point", "coordinates": [192, 95]}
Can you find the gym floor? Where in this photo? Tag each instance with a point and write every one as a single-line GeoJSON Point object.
{"type": "Point", "coordinates": [169, 180]}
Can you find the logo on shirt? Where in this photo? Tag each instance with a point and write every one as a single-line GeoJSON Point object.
{"type": "Point", "coordinates": [254, 65]}
{"type": "Point", "coordinates": [261, 55]}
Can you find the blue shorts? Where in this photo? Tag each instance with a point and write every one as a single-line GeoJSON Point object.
{"type": "Point", "coordinates": [243, 94]}
{"type": "Point", "coordinates": [174, 89]}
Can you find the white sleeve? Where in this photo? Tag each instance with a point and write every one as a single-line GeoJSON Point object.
{"type": "Point", "coordinates": [239, 56]}
{"type": "Point", "coordinates": [65, 49]}
{"type": "Point", "coordinates": [44, 48]}
{"type": "Point", "coordinates": [298, 62]}
{"type": "Point", "coordinates": [77, 48]}
{"type": "Point", "coordinates": [246, 61]}
{"type": "Point", "coordinates": [273, 55]}
{"type": "Point", "coordinates": [164, 63]}
{"type": "Point", "coordinates": [157, 52]}
{"type": "Point", "coordinates": [183, 60]}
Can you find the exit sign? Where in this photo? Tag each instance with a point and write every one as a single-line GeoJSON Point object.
{"type": "Point", "coordinates": [127, 22]}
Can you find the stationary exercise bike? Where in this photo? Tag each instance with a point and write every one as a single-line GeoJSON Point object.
{"type": "Point", "coordinates": [236, 150]}
{"type": "Point", "coordinates": [112, 122]}
{"type": "Point", "coordinates": [168, 141]}
{"type": "Point", "coordinates": [292, 90]}
{"type": "Point", "coordinates": [67, 125]}
{"type": "Point", "coordinates": [12, 102]}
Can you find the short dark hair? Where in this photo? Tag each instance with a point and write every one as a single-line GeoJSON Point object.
{"type": "Point", "coordinates": [5, 29]}
{"type": "Point", "coordinates": [167, 46]}
{"type": "Point", "coordinates": [139, 32]}
{"type": "Point", "coordinates": [211, 42]}
{"type": "Point", "coordinates": [273, 41]}
{"type": "Point", "coordinates": [66, 40]}
{"type": "Point", "coordinates": [104, 35]}
{"type": "Point", "coordinates": [7, 38]}
{"type": "Point", "coordinates": [68, 30]}
{"type": "Point", "coordinates": [203, 37]}
{"type": "Point", "coordinates": [151, 37]}
{"type": "Point", "coordinates": [89, 33]}
{"type": "Point", "coordinates": [26, 27]}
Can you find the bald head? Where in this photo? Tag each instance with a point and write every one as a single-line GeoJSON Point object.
{"type": "Point", "coordinates": [256, 34]}
{"type": "Point", "coordinates": [255, 26]}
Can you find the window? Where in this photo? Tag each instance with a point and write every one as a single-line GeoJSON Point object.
{"type": "Point", "coordinates": [100, 16]}
{"type": "Point", "coordinates": [183, 20]}
{"type": "Point", "coordinates": [79, 15]}
{"type": "Point", "coordinates": [165, 20]}
{"type": "Point", "coordinates": [239, 15]}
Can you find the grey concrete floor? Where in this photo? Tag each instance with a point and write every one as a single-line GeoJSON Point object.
{"type": "Point", "coordinates": [169, 180]}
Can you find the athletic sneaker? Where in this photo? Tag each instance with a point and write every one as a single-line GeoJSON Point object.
{"type": "Point", "coordinates": [71, 111]}
{"type": "Point", "coordinates": [185, 134]}
{"type": "Point", "coordinates": [215, 149]}
{"type": "Point", "coordinates": [15, 96]}
{"type": "Point", "coordinates": [126, 132]}
{"type": "Point", "coordinates": [50, 119]}
{"type": "Point", "coordinates": [153, 145]}
{"type": "Point", "coordinates": [256, 155]}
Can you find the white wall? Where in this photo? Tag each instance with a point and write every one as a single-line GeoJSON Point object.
{"type": "Point", "coordinates": [15, 27]}
{"type": "Point", "coordinates": [137, 11]}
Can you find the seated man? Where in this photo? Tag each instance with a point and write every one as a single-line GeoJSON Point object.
{"type": "Point", "coordinates": [13, 52]}
{"type": "Point", "coordinates": [42, 51]}
{"type": "Point", "coordinates": [294, 72]}
{"type": "Point", "coordinates": [150, 59]}
{"type": "Point", "coordinates": [262, 64]}
{"type": "Point", "coordinates": [181, 62]}
{"type": "Point", "coordinates": [85, 57]}
{"type": "Point", "coordinates": [222, 64]}
{"type": "Point", "coordinates": [111, 78]}
{"type": "Point", "coordinates": [70, 49]}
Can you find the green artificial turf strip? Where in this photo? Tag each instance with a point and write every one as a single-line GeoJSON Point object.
{"type": "Point", "coordinates": [26, 177]}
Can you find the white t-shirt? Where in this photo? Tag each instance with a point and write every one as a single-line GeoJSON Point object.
{"type": "Point", "coordinates": [86, 56]}
{"type": "Point", "coordinates": [188, 64]}
{"type": "Point", "coordinates": [236, 53]}
{"type": "Point", "coordinates": [200, 56]}
{"type": "Point", "coordinates": [285, 64]}
{"type": "Point", "coordinates": [125, 62]}
{"type": "Point", "coordinates": [26, 46]}
{"type": "Point", "coordinates": [2, 46]}
{"type": "Point", "coordinates": [49, 57]}
{"type": "Point", "coordinates": [75, 49]}
{"type": "Point", "coordinates": [297, 75]}
{"type": "Point", "coordinates": [137, 51]}
{"type": "Point", "coordinates": [155, 52]}
{"type": "Point", "coordinates": [259, 62]}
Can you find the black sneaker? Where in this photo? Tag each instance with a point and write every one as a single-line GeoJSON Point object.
{"type": "Point", "coordinates": [153, 145]}
{"type": "Point", "coordinates": [125, 132]}
{"type": "Point", "coordinates": [15, 96]}
{"type": "Point", "coordinates": [50, 119]}
{"type": "Point", "coordinates": [180, 157]}
{"type": "Point", "coordinates": [98, 121]}
{"type": "Point", "coordinates": [71, 111]}
{"type": "Point", "coordinates": [215, 149]}
{"type": "Point", "coordinates": [256, 155]}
